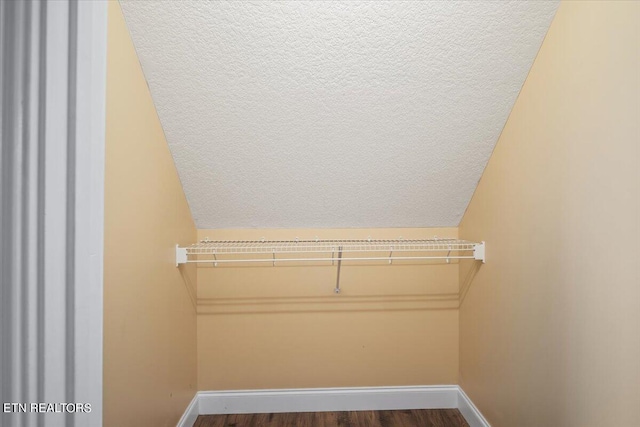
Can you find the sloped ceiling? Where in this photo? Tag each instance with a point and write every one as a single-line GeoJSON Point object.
{"type": "Point", "coordinates": [334, 114]}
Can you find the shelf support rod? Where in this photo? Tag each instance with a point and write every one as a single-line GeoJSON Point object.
{"type": "Point", "coordinates": [337, 289]}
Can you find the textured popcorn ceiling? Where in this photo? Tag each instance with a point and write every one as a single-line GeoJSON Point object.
{"type": "Point", "coordinates": [334, 114]}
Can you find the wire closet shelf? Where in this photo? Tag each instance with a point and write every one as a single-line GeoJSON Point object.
{"type": "Point", "coordinates": [278, 251]}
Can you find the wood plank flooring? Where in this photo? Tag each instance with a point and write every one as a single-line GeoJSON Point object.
{"type": "Point", "coordinates": [406, 418]}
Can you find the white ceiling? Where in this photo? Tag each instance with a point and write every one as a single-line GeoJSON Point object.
{"type": "Point", "coordinates": [334, 114]}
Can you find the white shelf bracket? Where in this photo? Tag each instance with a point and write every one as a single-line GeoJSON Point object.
{"type": "Point", "coordinates": [479, 252]}
{"type": "Point", "coordinates": [181, 255]}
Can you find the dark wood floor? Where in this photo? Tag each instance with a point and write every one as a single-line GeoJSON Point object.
{"type": "Point", "coordinates": [407, 418]}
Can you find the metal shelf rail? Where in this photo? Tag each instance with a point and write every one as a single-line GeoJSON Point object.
{"type": "Point", "coordinates": [217, 252]}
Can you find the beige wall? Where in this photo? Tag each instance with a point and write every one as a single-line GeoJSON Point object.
{"type": "Point", "coordinates": [550, 327]}
{"type": "Point", "coordinates": [149, 317]}
{"type": "Point", "coordinates": [283, 327]}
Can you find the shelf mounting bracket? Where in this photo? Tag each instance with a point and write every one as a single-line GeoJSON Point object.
{"type": "Point", "coordinates": [181, 255]}
{"type": "Point", "coordinates": [479, 252]}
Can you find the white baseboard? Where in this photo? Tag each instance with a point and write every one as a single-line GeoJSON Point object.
{"type": "Point", "coordinates": [327, 399]}
{"type": "Point", "coordinates": [332, 399]}
{"type": "Point", "coordinates": [469, 411]}
{"type": "Point", "coordinates": [191, 413]}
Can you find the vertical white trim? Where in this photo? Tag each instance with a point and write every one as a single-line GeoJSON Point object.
{"type": "Point", "coordinates": [55, 195]}
{"type": "Point", "coordinates": [90, 152]}
{"type": "Point", "coordinates": [51, 207]}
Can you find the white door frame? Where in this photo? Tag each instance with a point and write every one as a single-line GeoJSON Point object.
{"type": "Point", "coordinates": [52, 76]}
